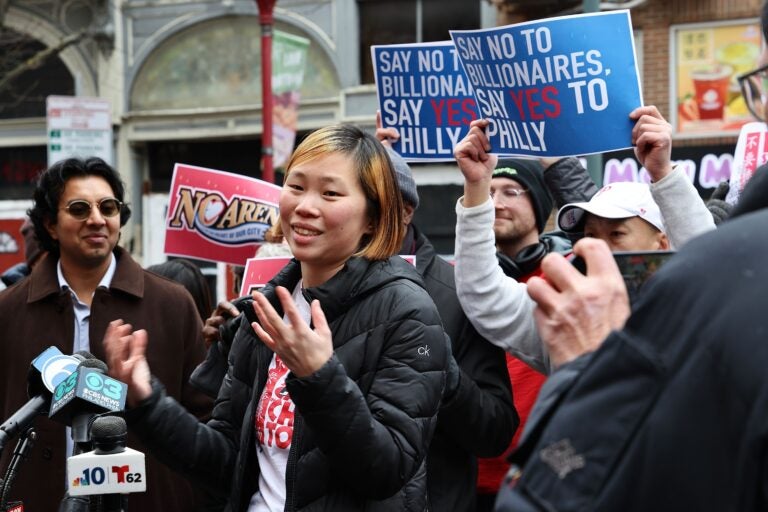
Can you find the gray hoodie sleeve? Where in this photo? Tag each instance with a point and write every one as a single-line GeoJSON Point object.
{"type": "Point", "coordinates": [684, 212]}
{"type": "Point", "coordinates": [498, 306]}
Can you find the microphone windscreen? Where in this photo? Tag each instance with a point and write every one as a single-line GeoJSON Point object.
{"type": "Point", "coordinates": [108, 434]}
{"type": "Point", "coordinates": [94, 363]}
{"type": "Point", "coordinates": [82, 355]}
{"type": "Point", "coordinates": [108, 426]}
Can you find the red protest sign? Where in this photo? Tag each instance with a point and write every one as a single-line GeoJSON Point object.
{"type": "Point", "coordinates": [258, 272]}
{"type": "Point", "coordinates": [218, 216]}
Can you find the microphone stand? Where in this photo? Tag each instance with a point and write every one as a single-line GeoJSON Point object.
{"type": "Point", "coordinates": [111, 502]}
{"type": "Point", "coordinates": [109, 436]}
{"type": "Point", "coordinates": [21, 452]}
{"type": "Point", "coordinates": [80, 444]}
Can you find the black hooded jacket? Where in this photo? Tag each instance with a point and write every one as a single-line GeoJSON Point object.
{"type": "Point", "coordinates": [363, 421]}
{"type": "Point", "coordinates": [478, 419]}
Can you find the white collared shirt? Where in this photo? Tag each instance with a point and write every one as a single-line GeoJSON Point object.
{"type": "Point", "coordinates": [81, 340]}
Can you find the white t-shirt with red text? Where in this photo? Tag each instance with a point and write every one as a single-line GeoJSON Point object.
{"type": "Point", "coordinates": [274, 428]}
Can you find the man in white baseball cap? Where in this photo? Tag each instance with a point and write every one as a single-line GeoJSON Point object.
{"type": "Point", "coordinates": [622, 214]}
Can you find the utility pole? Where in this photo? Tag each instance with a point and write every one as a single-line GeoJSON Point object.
{"type": "Point", "coordinates": [266, 19]}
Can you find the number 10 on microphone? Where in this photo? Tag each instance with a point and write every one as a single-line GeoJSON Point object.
{"type": "Point", "coordinates": [118, 473]}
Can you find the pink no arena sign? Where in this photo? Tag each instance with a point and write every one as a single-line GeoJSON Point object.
{"type": "Point", "coordinates": [218, 216]}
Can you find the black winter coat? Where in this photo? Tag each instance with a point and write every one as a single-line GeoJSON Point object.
{"type": "Point", "coordinates": [363, 422]}
{"type": "Point", "coordinates": [478, 419]}
{"type": "Point", "coordinates": [569, 182]}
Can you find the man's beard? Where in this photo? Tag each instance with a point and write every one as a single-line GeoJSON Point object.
{"type": "Point", "coordinates": [509, 232]}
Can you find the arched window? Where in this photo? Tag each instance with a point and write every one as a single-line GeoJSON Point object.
{"type": "Point", "coordinates": [217, 64]}
{"type": "Point", "coordinates": [24, 96]}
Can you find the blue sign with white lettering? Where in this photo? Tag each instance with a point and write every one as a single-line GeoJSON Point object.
{"type": "Point", "coordinates": [555, 87]}
{"type": "Point", "coordinates": [426, 96]}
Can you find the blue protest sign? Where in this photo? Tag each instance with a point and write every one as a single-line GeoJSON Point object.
{"type": "Point", "coordinates": [555, 87]}
{"type": "Point", "coordinates": [424, 94]}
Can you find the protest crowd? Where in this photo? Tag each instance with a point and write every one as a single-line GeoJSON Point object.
{"type": "Point", "coordinates": [529, 374]}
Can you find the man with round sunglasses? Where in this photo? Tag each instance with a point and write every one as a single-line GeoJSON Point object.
{"type": "Point", "coordinates": [84, 282]}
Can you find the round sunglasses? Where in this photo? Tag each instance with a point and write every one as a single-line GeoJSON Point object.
{"type": "Point", "coordinates": [80, 209]}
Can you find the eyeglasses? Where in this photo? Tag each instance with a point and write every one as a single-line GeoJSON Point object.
{"type": "Point", "coordinates": [510, 192]}
{"type": "Point", "coordinates": [80, 209]}
{"type": "Point", "coordinates": [754, 89]}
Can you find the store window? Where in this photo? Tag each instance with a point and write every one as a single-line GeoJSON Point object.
{"type": "Point", "coordinates": [19, 167]}
{"type": "Point", "coordinates": [236, 156]}
{"type": "Point", "coordinates": [410, 21]}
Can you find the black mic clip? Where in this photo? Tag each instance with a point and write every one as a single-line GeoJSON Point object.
{"type": "Point", "coordinates": [21, 452]}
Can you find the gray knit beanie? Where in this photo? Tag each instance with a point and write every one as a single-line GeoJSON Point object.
{"type": "Point", "coordinates": [404, 179]}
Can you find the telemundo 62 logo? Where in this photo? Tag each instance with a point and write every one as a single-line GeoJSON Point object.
{"type": "Point", "coordinates": [93, 473]}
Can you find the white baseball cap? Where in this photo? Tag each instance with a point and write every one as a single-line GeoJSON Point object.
{"type": "Point", "coordinates": [615, 201]}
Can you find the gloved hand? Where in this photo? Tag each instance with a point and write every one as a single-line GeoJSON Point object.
{"type": "Point", "coordinates": [716, 204]}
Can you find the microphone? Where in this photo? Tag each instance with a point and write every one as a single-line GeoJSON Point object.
{"type": "Point", "coordinates": [45, 372]}
{"type": "Point", "coordinates": [85, 393]}
{"type": "Point", "coordinates": [23, 418]}
{"type": "Point", "coordinates": [51, 367]}
{"type": "Point", "coordinates": [111, 468]}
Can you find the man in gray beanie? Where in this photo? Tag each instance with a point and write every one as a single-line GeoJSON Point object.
{"type": "Point", "coordinates": [477, 417]}
{"type": "Point", "coordinates": [404, 179]}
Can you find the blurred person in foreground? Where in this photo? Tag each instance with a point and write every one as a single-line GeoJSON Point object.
{"type": "Point", "coordinates": [669, 411]}
{"type": "Point", "coordinates": [331, 397]}
{"type": "Point", "coordinates": [83, 282]}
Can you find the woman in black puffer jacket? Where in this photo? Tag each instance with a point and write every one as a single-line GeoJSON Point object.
{"type": "Point", "coordinates": [331, 396]}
